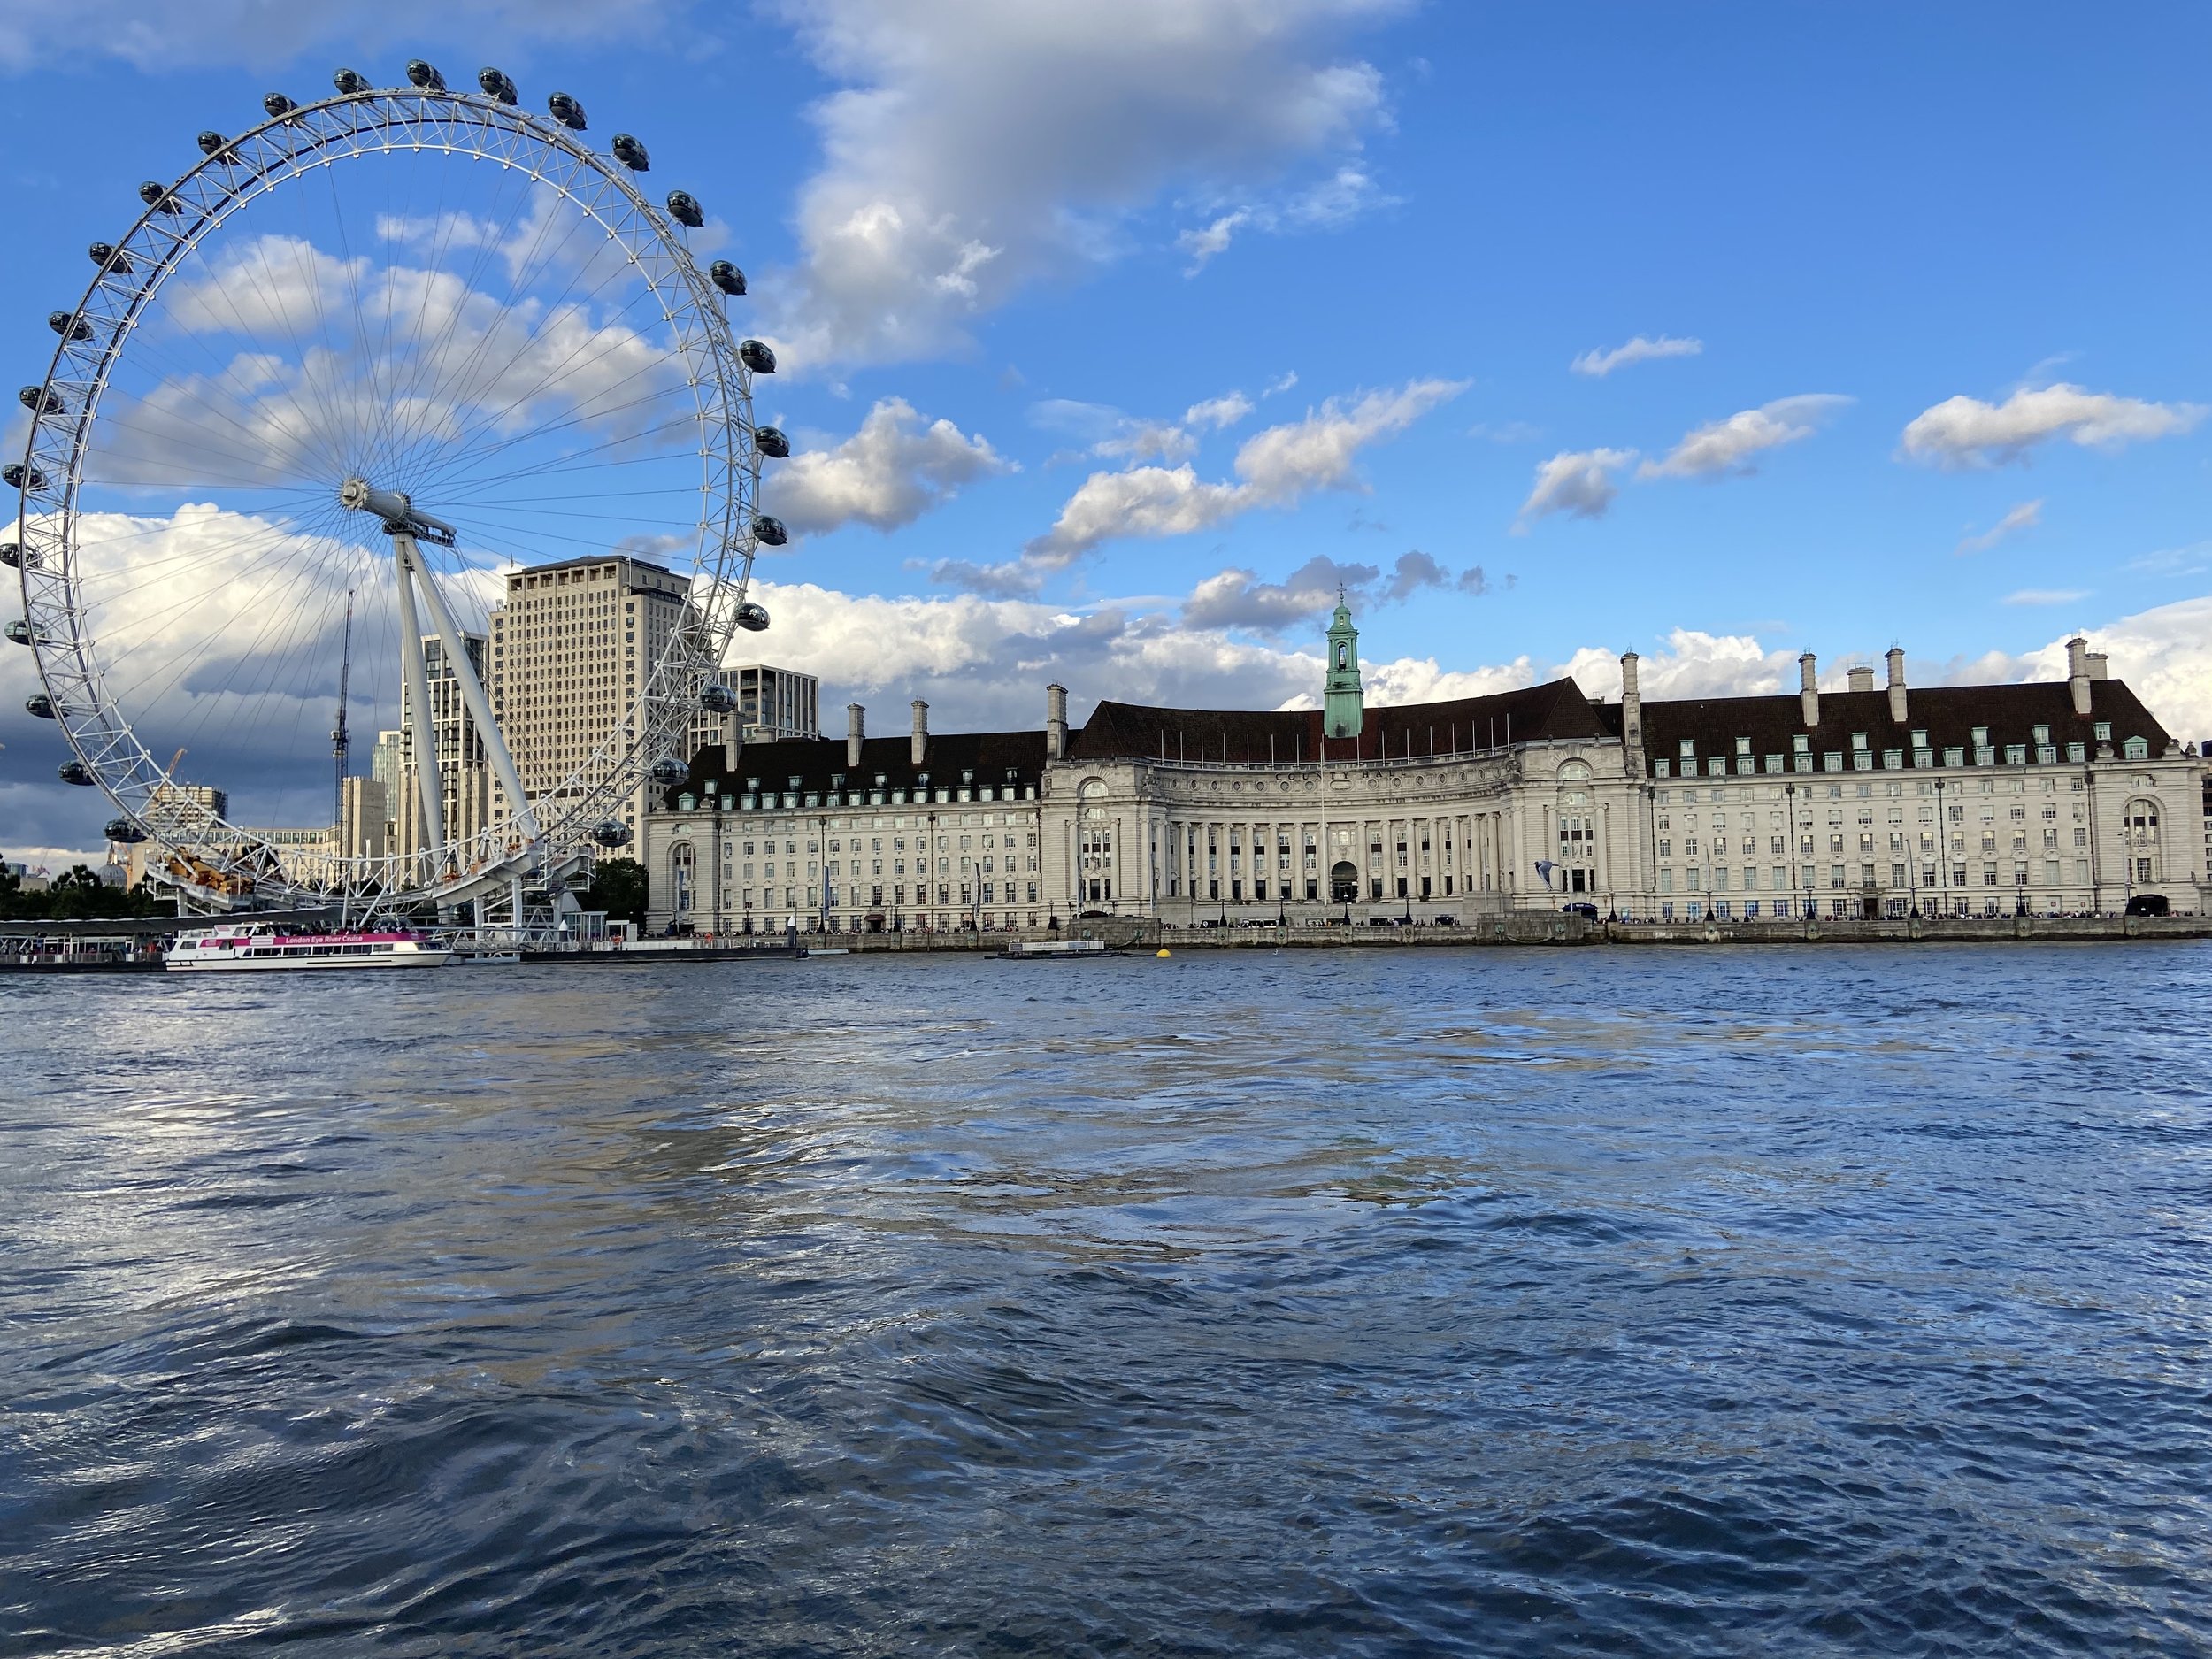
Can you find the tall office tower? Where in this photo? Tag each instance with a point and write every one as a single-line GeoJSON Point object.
{"type": "Point", "coordinates": [365, 819]}
{"type": "Point", "coordinates": [386, 760]}
{"type": "Point", "coordinates": [464, 771]}
{"type": "Point", "coordinates": [573, 645]}
{"type": "Point", "coordinates": [772, 704]}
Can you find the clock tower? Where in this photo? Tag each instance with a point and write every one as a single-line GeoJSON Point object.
{"type": "Point", "coordinates": [1343, 710]}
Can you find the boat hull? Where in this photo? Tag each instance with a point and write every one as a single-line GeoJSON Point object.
{"type": "Point", "coordinates": [310, 964]}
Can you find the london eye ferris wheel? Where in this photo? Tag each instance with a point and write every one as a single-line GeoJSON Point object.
{"type": "Point", "coordinates": [334, 382]}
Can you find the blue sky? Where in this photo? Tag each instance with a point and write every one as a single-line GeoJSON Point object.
{"type": "Point", "coordinates": [1924, 287]}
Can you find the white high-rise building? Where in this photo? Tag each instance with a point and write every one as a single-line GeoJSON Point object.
{"type": "Point", "coordinates": [772, 704]}
{"type": "Point", "coordinates": [573, 645]}
{"type": "Point", "coordinates": [464, 771]}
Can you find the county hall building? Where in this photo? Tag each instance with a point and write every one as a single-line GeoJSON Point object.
{"type": "Point", "coordinates": [2058, 797]}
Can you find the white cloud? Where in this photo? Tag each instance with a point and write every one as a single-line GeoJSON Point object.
{"type": "Point", "coordinates": [1147, 441]}
{"type": "Point", "coordinates": [1640, 350]}
{"type": "Point", "coordinates": [1695, 663]}
{"type": "Point", "coordinates": [1577, 482]}
{"type": "Point", "coordinates": [1967, 432]}
{"type": "Point", "coordinates": [977, 146]}
{"type": "Point", "coordinates": [1330, 204]}
{"type": "Point", "coordinates": [1219, 413]}
{"type": "Point", "coordinates": [887, 475]}
{"type": "Point", "coordinates": [1275, 468]}
{"type": "Point", "coordinates": [1726, 446]}
{"type": "Point", "coordinates": [2164, 653]}
{"type": "Point", "coordinates": [2045, 596]}
{"type": "Point", "coordinates": [2026, 516]}
{"type": "Point", "coordinates": [1206, 241]}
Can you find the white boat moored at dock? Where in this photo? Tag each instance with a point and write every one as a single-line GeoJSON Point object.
{"type": "Point", "coordinates": [261, 947]}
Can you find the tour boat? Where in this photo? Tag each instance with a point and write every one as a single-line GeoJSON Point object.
{"type": "Point", "coordinates": [241, 949]}
{"type": "Point", "coordinates": [1055, 949]}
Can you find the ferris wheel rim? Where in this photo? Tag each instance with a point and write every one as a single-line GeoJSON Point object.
{"type": "Point", "coordinates": [287, 145]}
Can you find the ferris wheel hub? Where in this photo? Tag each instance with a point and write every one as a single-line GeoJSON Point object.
{"type": "Point", "coordinates": [398, 512]}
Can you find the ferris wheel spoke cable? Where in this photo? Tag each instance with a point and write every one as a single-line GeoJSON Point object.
{"type": "Point", "coordinates": [490, 418]}
{"type": "Point", "coordinates": [488, 247]}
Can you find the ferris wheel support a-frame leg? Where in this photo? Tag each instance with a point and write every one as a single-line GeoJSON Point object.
{"type": "Point", "coordinates": [422, 728]}
{"type": "Point", "coordinates": [472, 688]}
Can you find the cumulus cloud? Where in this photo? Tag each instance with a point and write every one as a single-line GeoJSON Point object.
{"type": "Point", "coordinates": [1725, 447]}
{"type": "Point", "coordinates": [1276, 467]}
{"type": "Point", "coordinates": [1966, 432]}
{"type": "Point", "coordinates": [1640, 350]}
{"type": "Point", "coordinates": [976, 146]}
{"type": "Point", "coordinates": [1695, 663]}
{"type": "Point", "coordinates": [887, 475]}
{"type": "Point", "coordinates": [1577, 482]}
{"type": "Point", "coordinates": [2026, 516]}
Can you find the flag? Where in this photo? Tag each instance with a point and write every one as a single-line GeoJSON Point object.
{"type": "Point", "coordinates": [1544, 869]}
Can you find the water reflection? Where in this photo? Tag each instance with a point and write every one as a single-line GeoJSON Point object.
{"type": "Point", "coordinates": [1478, 1301]}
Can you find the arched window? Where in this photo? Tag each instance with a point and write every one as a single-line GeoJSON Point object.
{"type": "Point", "coordinates": [2139, 835]}
{"type": "Point", "coordinates": [683, 866]}
{"type": "Point", "coordinates": [1343, 655]}
{"type": "Point", "coordinates": [1574, 771]}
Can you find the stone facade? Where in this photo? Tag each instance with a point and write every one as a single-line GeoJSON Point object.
{"type": "Point", "coordinates": [2057, 798]}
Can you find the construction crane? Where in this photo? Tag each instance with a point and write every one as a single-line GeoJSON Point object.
{"type": "Point", "coordinates": [339, 742]}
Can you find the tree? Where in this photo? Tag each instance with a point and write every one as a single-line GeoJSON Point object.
{"type": "Point", "coordinates": [78, 895]}
{"type": "Point", "coordinates": [619, 888]}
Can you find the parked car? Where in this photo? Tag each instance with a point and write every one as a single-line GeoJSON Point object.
{"type": "Point", "coordinates": [1582, 908]}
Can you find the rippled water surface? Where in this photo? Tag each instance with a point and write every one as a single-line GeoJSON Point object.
{"type": "Point", "coordinates": [1791, 1301]}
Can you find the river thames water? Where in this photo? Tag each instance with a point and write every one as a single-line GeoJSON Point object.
{"type": "Point", "coordinates": [1792, 1301]}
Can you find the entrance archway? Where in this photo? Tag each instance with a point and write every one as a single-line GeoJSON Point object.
{"type": "Point", "coordinates": [1343, 883]}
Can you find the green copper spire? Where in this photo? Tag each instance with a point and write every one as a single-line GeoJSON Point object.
{"type": "Point", "coordinates": [1343, 709]}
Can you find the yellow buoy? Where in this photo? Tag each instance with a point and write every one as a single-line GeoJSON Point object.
{"type": "Point", "coordinates": [1163, 955]}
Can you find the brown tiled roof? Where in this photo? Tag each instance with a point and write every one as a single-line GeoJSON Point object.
{"type": "Point", "coordinates": [1948, 714]}
{"type": "Point", "coordinates": [1121, 730]}
{"type": "Point", "coordinates": [988, 756]}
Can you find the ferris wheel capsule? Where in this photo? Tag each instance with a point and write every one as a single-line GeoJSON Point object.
{"type": "Point", "coordinates": [611, 833]}
{"type": "Point", "coordinates": [753, 618]}
{"type": "Point", "coordinates": [717, 698]}
{"type": "Point", "coordinates": [424, 75]}
{"type": "Point", "coordinates": [728, 277]}
{"type": "Point", "coordinates": [77, 773]}
{"type": "Point", "coordinates": [123, 831]}
{"type": "Point", "coordinates": [38, 400]}
{"type": "Point", "coordinates": [670, 772]}
{"type": "Point", "coordinates": [69, 324]}
{"type": "Point", "coordinates": [104, 255]}
{"type": "Point", "coordinates": [567, 111]}
{"type": "Point", "coordinates": [278, 105]}
{"type": "Point", "coordinates": [39, 706]}
{"type": "Point", "coordinates": [499, 84]}
{"type": "Point", "coordinates": [349, 82]}
{"type": "Point", "coordinates": [631, 154]}
{"type": "Point", "coordinates": [12, 556]}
